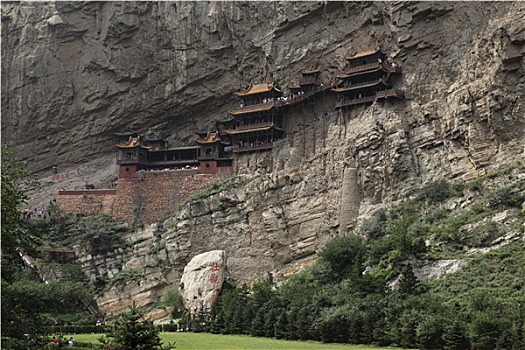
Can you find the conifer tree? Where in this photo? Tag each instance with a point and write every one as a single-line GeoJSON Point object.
{"type": "Point", "coordinates": [133, 332]}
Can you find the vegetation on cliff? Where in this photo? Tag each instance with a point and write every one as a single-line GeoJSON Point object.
{"type": "Point", "coordinates": [364, 290]}
{"type": "Point", "coordinates": [29, 304]}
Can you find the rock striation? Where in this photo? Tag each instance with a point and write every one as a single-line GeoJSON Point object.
{"type": "Point", "coordinates": [74, 73]}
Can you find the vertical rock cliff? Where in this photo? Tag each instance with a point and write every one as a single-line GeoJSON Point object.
{"type": "Point", "coordinates": [73, 73]}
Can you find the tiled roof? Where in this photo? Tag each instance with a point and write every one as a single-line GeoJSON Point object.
{"type": "Point", "coordinates": [257, 89]}
{"type": "Point", "coordinates": [210, 138]}
{"type": "Point", "coordinates": [363, 54]}
{"type": "Point", "coordinates": [132, 142]}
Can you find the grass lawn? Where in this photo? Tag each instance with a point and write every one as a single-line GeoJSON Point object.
{"type": "Point", "coordinates": [200, 341]}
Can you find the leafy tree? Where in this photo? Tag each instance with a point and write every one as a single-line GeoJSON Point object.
{"type": "Point", "coordinates": [132, 332]}
{"type": "Point", "coordinates": [486, 330]}
{"type": "Point", "coordinates": [344, 257]}
{"type": "Point", "coordinates": [21, 323]}
{"type": "Point", "coordinates": [16, 180]}
{"type": "Point", "coordinates": [375, 227]}
{"type": "Point", "coordinates": [171, 297]}
{"type": "Point", "coordinates": [408, 282]}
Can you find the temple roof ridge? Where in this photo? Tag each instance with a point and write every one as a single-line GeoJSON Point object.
{"type": "Point", "coordinates": [257, 89]}
{"type": "Point", "coordinates": [363, 53]}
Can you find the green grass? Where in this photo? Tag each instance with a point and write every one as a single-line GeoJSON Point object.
{"type": "Point", "coordinates": [202, 341]}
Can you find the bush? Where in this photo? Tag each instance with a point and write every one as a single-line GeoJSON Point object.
{"type": "Point", "coordinates": [343, 256]}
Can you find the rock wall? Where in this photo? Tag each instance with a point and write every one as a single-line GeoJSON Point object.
{"type": "Point", "coordinates": [74, 73]}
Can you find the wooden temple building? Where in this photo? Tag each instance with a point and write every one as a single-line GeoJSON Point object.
{"type": "Point", "coordinates": [258, 121]}
{"type": "Point", "coordinates": [369, 76]}
{"type": "Point", "coordinates": [150, 185]}
{"type": "Point", "coordinates": [215, 154]}
{"type": "Point", "coordinates": [150, 154]}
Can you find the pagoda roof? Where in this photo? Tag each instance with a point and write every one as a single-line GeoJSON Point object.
{"type": "Point", "coordinates": [253, 108]}
{"type": "Point", "coordinates": [257, 89]}
{"type": "Point", "coordinates": [132, 142]}
{"type": "Point", "coordinates": [363, 54]}
{"type": "Point", "coordinates": [211, 137]}
{"type": "Point", "coordinates": [186, 148]}
{"type": "Point", "coordinates": [126, 133]}
{"type": "Point", "coordinates": [244, 131]}
{"type": "Point", "coordinates": [365, 72]}
{"type": "Point", "coordinates": [153, 138]}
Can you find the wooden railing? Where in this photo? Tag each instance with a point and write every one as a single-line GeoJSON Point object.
{"type": "Point", "coordinates": [390, 93]}
{"type": "Point", "coordinates": [372, 82]}
{"type": "Point", "coordinates": [380, 94]}
{"type": "Point", "coordinates": [250, 108]}
{"type": "Point", "coordinates": [355, 101]}
{"type": "Point", "coordinates": [253, 126]}
{"type": "Point", "coordinates": [238, 149]}
{"type": "Point", "coordinates": [362, 67]}
{"type": "Point", "coordinates": [288, 100]}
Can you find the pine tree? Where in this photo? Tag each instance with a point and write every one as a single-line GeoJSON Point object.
{"type": "Point", "coordinates": [133, 332]}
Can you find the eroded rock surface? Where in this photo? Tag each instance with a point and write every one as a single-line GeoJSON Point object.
{"type": "Point", "coordinates": [202, 280]}
{"type": "Point", "coordinates": [75, 73]}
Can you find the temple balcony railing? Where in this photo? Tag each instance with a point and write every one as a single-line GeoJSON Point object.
{"type": "Point", "coordinates": [254, 107]}
{"type": "Point", "coordinates": [354, 101]}
{"type": "Point", "coordinates": [128, 161]}
{"type": "Point", "coordinates": [253, 126]}
{"type": "Point", "coordinates": [283, 101]}
{"type": "Point", "coordinates": [208, 157]}
{"type": "Point", "coordinates": [260, 147]}
{"type": "Point", "coordinates": [290, 100]}
{"type": "Point", "coordinates": [170, 162]}
{"type": "Point", "coordinates": [390, 93]}
{"type": "Point", "coordinates": [371, 82]}
{"type": "Point", "coordinates": [380, 94]}
{"type": "Point", "coordinates": [363, 67]}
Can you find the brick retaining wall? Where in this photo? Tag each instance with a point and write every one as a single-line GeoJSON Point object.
{"type": "Point", "coordinates": [152, 195]}
{"type": "Point", "coordinates": [88, 202]}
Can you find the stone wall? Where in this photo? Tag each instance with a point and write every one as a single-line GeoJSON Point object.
{"type": "Point", "coordinates": [88, 202]}
{"type": "Point", "coordinates": [156, 194]}
{"type": "Point", "coordinates": [145, 199]}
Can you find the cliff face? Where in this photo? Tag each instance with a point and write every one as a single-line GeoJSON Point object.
{"type": "Point", "coordinates": [74, 73]}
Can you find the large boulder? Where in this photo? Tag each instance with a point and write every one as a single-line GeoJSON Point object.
{"type": "Point", "coordinates": [202, 280]}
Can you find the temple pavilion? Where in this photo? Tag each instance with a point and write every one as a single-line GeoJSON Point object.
{"type": "Point", "coordinates": [369, 76]}
{"type": "Point", "coordinates": [215, 154]}
{"type": "Point", "coordinates": [257, 122]}
{"type": "Point", "coordinates": [138, 153]}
